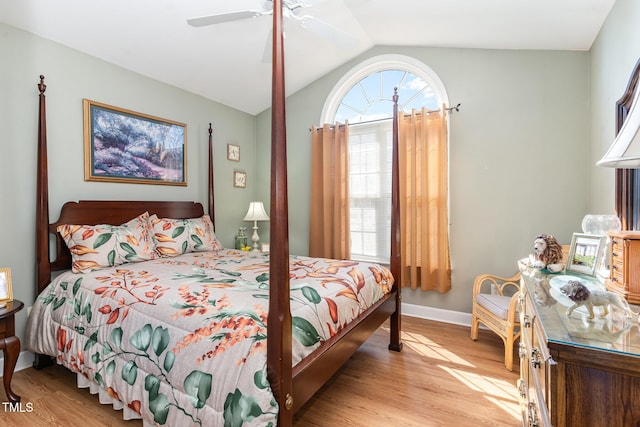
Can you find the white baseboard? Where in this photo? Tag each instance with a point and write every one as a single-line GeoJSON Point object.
{"type": "Point", "coordinates": [437, 314]}
{"type": "Point", "coordinates": [26, 358]}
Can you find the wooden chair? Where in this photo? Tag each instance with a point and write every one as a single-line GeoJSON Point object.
{"type": "Point", "coordinates": [497, 310]}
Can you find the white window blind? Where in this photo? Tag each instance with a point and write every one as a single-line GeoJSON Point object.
{"type": "Point", "coordinates": [370, 190]}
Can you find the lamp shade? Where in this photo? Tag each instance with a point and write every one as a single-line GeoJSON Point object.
{"type": "Point", "coordinates": [256, 212]}
{"type": "Point", "coordinates": [624, 153]}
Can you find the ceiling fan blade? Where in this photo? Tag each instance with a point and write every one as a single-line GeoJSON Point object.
{"type": "Point", "coordinates": [325, 30]}
{"type": "Point", "coordinates": [223, 17]}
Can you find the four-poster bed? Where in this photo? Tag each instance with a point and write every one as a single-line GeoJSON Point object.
{"type": "Point", "coordinates": [302, 353]}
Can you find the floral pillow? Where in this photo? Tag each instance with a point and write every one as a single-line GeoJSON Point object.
{"type": "Point", "coordinates": [97, 246]}
{"type": "Point", "coordinates": [178, 236]}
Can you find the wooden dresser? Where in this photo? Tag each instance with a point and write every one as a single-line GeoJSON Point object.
{"type": "Point", "coordinates": [624, 260]}
{"type": "Point", "coordinates": [575, 371]}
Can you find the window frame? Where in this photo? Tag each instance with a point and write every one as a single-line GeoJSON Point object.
{"type": "Point", "coordinates": [374, 65]}
{"type": "Point", "coordinates": [371, 66]}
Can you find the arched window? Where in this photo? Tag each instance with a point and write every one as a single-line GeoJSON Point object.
{"type": "Point", "coordinates": [364, 98]}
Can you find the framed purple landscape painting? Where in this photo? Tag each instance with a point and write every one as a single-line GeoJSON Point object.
{"type": "Point", "coordinates": [125, 146]}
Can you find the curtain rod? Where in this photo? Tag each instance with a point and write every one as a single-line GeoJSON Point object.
{"type": "Point", "coordinates": [456, 108]}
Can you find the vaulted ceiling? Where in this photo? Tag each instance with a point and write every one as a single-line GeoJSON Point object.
{"type": "Point", "coordinates": [227, 62]}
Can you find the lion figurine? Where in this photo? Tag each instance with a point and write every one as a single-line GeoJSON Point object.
{"type": "Point", "coordinates": [582, 296]}
{"type": "Point", "coordinates": [547, 253]}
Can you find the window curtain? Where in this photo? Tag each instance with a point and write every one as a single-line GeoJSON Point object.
{"type": "Point", "coordinates": [423, 156]}
{"type": "Point", "coordinates": [329, 232]}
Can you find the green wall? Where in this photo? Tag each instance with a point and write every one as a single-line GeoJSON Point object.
{"type": "Point", "coordinates": [519, 153]}
{"type": "Point", "coordinates": [613, 56]}
{"type": "Point", "coordinates": [523, 146]}
{"type": "Point", "coordinates": [70, 77]}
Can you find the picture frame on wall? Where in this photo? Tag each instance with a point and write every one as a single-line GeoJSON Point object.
{"type": "Point", "coordinates": [130, 147]}
{"type": "Point", "coordinates": [233, 152]}
{"type": "Point", "coordinates": [239, 179]}
{"type": "Point", "coordinates": [585, 253]}
{"type": "Point", "coordinates": [6, 293]}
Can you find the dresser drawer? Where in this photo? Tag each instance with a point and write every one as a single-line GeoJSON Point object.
{"type": "Point", "coordinates": [536, 411]}
{"type": "Point", "coordinates": [624, 277]}
{"type": "Point", "coordinates": [533, 385]}
{"type": "Point", "coordinates": [539, 360]}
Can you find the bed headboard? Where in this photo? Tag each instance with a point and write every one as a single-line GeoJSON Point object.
{"type": "Point", "coordinates": [93, 212]}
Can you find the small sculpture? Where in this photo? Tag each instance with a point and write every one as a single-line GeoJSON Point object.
{"type": "Point", "coordinates": [582, 296]}
{"type": "Point", "coordinates": [547, 253]}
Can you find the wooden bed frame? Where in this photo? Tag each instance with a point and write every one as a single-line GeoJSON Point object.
{"type": "Point", "coordinates": [292, 386]}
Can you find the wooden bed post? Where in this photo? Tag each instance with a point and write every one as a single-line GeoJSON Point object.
{"type": "Point", "coordinates": [279, 359]}
{"type": "Point", "coordinates": [43, 268]}
{"type": "Point", "coordinates": [210, 205]}
{"type": "Point", "coordinates": [394, 263]}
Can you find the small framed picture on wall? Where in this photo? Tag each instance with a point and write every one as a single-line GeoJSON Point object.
{"type": "Point", "coordinates": [239, 179]}
{"type": "Point", "coordinates": [233, 152]}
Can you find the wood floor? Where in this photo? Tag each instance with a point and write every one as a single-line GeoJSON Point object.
{"type": "Point", "coordinates": [441, 378]}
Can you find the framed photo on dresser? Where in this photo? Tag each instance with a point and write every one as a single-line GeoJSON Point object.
{"type": "Point", "coordinates": [6, 293]}
{"type": "Point", "coordinates": [585, 253]}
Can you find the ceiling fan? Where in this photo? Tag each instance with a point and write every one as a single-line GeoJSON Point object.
{"type": "Point", "coordinates": [291, 11]}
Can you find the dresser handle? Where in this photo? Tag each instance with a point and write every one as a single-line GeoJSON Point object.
{"type": "Point", "coordinates": [614, 254]}
{"type": "Point", "coordinates": [535, 358]}
{"type": "Point", "coordinates": [522, 387]}
{"type": "Point", "coordinates": [533, 416]}
{"type": "Point", "coordinates": [522, 351]}
{"type": "Point", "coordinates": [526, 321]}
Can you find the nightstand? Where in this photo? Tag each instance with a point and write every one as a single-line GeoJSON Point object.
{"type": "Point", "coordinates": [9, 344]}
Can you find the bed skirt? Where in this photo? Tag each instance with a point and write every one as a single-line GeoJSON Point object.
{"type": "Point", "coordinates": [106, 399]}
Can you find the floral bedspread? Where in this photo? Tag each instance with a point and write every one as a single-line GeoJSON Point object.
{"type": "Point", "coordinates": [182, 341]}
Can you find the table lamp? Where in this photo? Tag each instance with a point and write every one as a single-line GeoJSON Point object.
{"type": "Point", "coordinates": [256, 213]}
{"type": "Point", "coordinates": [625, 150]}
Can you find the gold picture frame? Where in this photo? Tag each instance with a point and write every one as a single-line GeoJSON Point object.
{"type": "Point", "coordinates": [240, 179]}
{"type": "Point", "coordinates": [233, 152]}
{"type": "Point", "coordinates": [130, 147]}
{"type": "Point", "coordinates": [6, 293]}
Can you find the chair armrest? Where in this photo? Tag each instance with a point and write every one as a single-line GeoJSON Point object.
{"type": "Point", "coordinates": [500, 283]}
